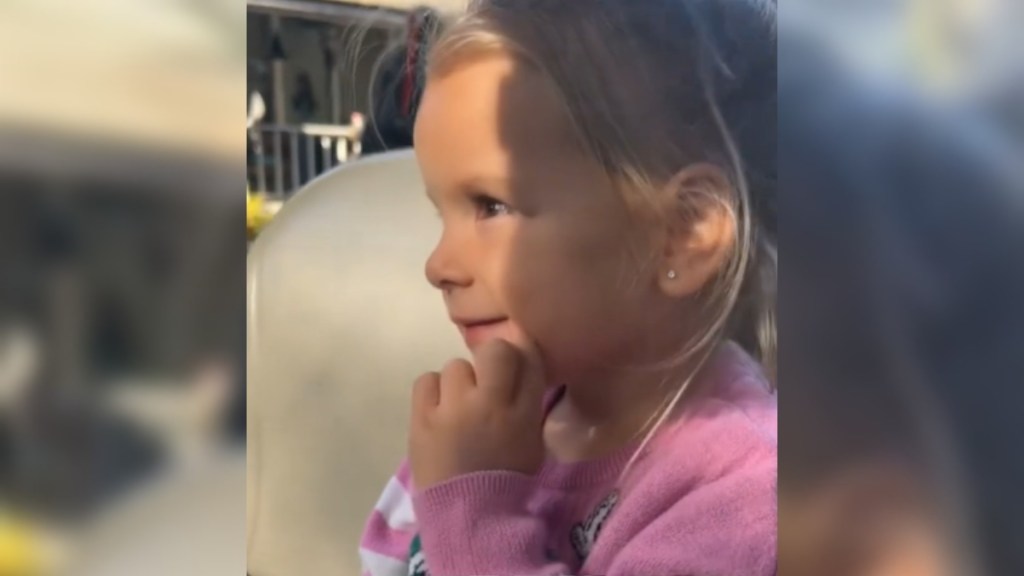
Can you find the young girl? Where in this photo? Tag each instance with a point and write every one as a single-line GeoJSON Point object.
{"type": "Point", "coordinates": [604, 171]}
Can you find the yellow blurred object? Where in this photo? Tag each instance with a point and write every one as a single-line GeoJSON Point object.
{"type": "Point", "coordinates": [20, 550]}
{"type": "Point", "coordinates": [257, 214]}
{"type": "Point", "coordinates": [945, 36]}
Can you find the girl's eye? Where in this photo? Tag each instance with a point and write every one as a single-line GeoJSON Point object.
{"type": "Point", "coordinates": [488, 207]}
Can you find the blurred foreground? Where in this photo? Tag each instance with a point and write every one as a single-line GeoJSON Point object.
{"type": "Point", "coordinates": [122, 168]}
{"type": "Point", "coordinates": [902, 322]}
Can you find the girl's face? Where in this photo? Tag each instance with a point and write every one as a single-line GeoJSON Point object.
{"type": "Point", "coordinates": [537, 243]}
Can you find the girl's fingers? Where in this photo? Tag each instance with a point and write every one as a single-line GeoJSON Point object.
{"type": "Point", "coordinates": [497, 366]}
{"type": "Point", "coordinates": [426, 394]}
{"type": "Point", "coordinates": [457, 377]}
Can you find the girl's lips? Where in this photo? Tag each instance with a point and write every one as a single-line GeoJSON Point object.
{"type": "Point", "coordinates": [476, 333]}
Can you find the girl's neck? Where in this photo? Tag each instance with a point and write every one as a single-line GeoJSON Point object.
{"type": "Point", "coordinates": [604, 414]}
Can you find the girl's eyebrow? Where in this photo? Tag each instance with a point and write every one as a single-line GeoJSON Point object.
{"type": "Point", "coordinates": [481, 184]}
{"type": "Point", "coordinates": [486, 182]}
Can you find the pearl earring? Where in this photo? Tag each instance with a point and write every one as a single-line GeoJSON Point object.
{"type": "Point", "coordinates": [672, 274]}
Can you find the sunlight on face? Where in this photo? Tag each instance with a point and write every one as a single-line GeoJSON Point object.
{"type": "Point", "coordinates": [537, 242]}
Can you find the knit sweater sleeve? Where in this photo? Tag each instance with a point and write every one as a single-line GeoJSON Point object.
{"type": "Point", "coordinates": [727, 528]}
{"type": "Point", "coordinates": [479, 524]}
{"type": "Point", "coordinates": [717, 515]}
{"type": "Point", "coordinates": [390, 529]}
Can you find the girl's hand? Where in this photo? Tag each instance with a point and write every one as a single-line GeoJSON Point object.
{"type": "Point", "coordinates": [481, 416]}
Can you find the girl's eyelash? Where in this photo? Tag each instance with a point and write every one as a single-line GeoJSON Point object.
{"type": "Point", "coordinates": [489, 207]}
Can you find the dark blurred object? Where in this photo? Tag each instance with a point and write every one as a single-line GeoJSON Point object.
{"type": "Point", "coordinates": [304, 104]}
{"type": "Point", "coordinates": [1003, 104]}
{"type": "Point", "coordinates": [127, 264]}
{"type": "Point", "coordinates": [903, 322]}
{"type": "Point", "coordinates": [398, 85]}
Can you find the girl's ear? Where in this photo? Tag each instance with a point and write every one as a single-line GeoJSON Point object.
{"type": "Point", "coordinates": [700, 226]}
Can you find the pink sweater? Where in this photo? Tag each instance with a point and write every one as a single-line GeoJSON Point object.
{"type": "Point", "coordinates": [701, 501]}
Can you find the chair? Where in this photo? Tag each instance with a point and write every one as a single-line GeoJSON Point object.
{"type": "Point", "coordinates": [341, 321]}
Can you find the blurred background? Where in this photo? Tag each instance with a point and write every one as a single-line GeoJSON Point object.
{"type": "Point", "coordinates": [327, 84]}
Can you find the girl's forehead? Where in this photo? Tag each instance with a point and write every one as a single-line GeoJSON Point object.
{"type": "Point", "coordinates": [491, 119]}
{"type": "Point", "coordinates": [498, 92]}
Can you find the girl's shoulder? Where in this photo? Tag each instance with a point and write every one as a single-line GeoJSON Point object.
{"type": "Point", "coordinates": [715, 466]}
{"type": "Point", "coordinates": [730, 428]}
{"type": "Point", "coordinates": [736, 399]}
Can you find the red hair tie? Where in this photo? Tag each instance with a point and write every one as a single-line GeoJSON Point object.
{"type": "Point", "coordinates": [409, 78]}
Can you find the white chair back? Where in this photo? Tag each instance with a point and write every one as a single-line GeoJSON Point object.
{"type": "Point", "coordinates": [341, 321]}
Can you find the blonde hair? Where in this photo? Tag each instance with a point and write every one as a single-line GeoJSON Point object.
{"type": "Point", "coordinates": [649, 87]}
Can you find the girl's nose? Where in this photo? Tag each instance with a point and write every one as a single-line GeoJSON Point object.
{"type": "Point", "coordinates": [445, 267]}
